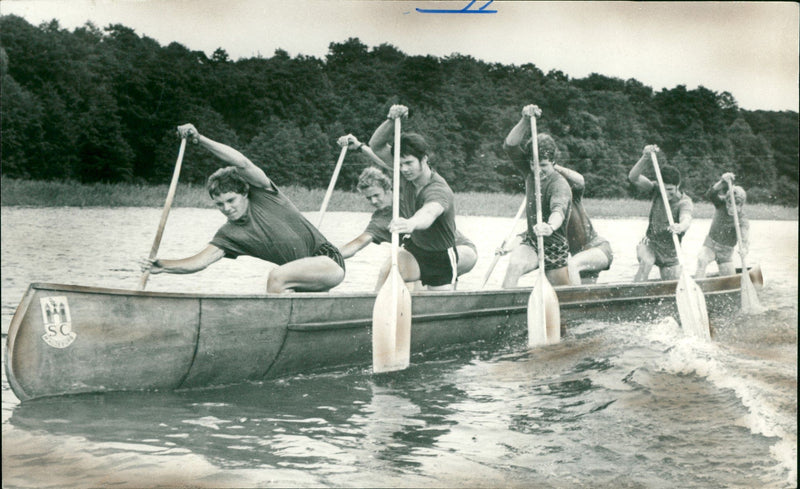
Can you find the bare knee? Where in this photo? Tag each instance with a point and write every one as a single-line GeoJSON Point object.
{"type": "Point", "coordinates": [276, 283]}
{"type": "Point", "coordinates": [645, 256]}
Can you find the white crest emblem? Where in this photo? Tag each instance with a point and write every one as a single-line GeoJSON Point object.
{"type": "Point", "coordinates": [57, 322]}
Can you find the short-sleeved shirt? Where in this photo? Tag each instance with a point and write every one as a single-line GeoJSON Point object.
{"type": "Point", "coordinates": [556, 196]}
{"type": "Point", "coordinates": [658, 227]}
{"type": "Point", "coordinates": [272, 229]}
{"type": "Point", "coordinates": [723, 229]}
{"type": "Point", "coordinates": [440, 236]}
{"type": "Point", "coordinates": [378, 228]}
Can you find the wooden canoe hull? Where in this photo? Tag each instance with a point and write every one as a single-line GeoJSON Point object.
{"type": "Point", "coordinates": [109, 339]}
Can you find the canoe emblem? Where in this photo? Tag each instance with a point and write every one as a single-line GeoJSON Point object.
{"type": "Point", "coordinates": [57, 323]}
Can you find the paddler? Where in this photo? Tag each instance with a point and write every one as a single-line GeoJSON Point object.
{"type": "Point", "coordinates": [590, 253]}
{"type": "Point", "coordinates": [427, 210]}
{"type": "Point", "coordinates": [657, 247]}
{"type": "Point", "coordinates": [556, 197]}
{"type": "Point", "coordinates": [262, 222]}
{"type": "Point", "coordinates": [718, 245]}
{"type": "Point", "coordinates": [376, 187]}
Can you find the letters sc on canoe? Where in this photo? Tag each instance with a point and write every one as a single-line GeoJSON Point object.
{"type": "Point", "coordinates": [72, 339]}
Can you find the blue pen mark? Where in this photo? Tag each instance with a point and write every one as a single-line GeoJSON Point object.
{"type": "Point", "coordinates": [465, 10]}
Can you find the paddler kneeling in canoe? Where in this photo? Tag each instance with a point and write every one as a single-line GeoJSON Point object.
{"type": "Point", "coordinates": [262, 223]}
{"type": "Point", "coordinates": [427, 210]}
{"type": "Point", "coordinates": [376, 187]}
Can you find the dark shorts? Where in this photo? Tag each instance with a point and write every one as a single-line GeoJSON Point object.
{"type": "Point", "coordinates": [664, 251]}
{"type": "Point", "coordinates": [556, 253]}
{"type": "Point", "coordinates": [603, 245]}
{"type": "Point", "coordinates": [332, 252]}
{"type": "Point", "coordinates": [435, 267]}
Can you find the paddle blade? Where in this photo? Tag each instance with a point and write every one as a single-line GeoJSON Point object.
{"type": "Point", "coordinates": [750, 302]}
{"type": "Point", "coordinates": [391, 325]}
{"type": "Point", "coordinates": [544, 315]}
{"type": "Point", "coordinates": [692, 308]}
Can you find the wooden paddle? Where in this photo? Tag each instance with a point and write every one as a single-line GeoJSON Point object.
{"type": "Point", "coordinates": [504, 244]}
{"type": "Point", "coordinates": [750, 302]}
{"type": "Point", "coordinates": [691, 302]}
{"type": "Point", "coordinates": [544, 315]}
{"type": "Point", "coordinates": [331, 185]}
{"type": "Point", "coordinates": [165, 213]}
{"type": "Point", "coordinates": [391, 315]}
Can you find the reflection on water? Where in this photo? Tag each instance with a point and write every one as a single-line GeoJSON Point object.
{"type": "Point", "coordinates": [614, 405]}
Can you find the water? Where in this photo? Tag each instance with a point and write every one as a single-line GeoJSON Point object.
{"type": "Point", "coordinates": [622, 405]}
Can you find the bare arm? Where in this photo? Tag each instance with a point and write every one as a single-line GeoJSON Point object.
{"type": "Point", "coordinates": [636, 177]}
{"type": "Point", "coordinates": [383, 137]}
{"type": "Point", "coordinates": [522, 129]}
{"type": "Point", "coordinates": [356, 245]}
{"type": "Point", "coordinates": [422, 219]}
{"type": "Point", "coordinates": [192, 264]}
{"type": "Point", "coordinates": [381, 141]}
{"type": "Point", "coordinates": [684, 221]}
{"type": "Point", "coordinates": [554, 222]}
{"type": "Point", "coordinates": [574, 179]}
{"type": "Point", "coordinates": [253, 174]}
{"type": "Point", "coordinates": [354, 144]}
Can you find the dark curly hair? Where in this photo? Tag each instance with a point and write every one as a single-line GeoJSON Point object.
{"type": "Point", "coordinates": [548, 149]}
{"type": "Point", "coordinates": [227, 180]}
{"type": "Point", "coordinates": [670, 175]}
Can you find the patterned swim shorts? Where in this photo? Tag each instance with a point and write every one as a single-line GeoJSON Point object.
{"type": "Point", "coordinates": [332, 252]}
{"type": "Point", "coordinates": [556, 251]}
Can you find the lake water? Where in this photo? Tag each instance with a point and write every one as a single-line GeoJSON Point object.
{"type": "Point", "coordinates": [617, 405]}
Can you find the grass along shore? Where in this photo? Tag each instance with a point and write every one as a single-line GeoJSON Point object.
{"type": "Point", "coordinates": [28, 193]}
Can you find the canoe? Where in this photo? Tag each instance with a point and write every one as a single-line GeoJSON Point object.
{"type": "Point", "coordinates": [71, 339]}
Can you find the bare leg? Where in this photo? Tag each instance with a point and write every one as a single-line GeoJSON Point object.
{"type": "Point", "coordinates": [726, 268]}
{"type": "Point", "coordinates": [559, 276]}
{"type": "Point", "coordinates": [646, 261]}
{"type": "Point", "coordinates": [705, 257]}
{"type": "Point", "coordinates": [522, 260]}
{"type": "Point", "coordinates": [592, 259]}
{"type": "Point", "coordinates": [466, 259]}
{"type": "Point", "coordinates": [573, 271]}
{"type": "Point", "coordinates": [407, 266]}
{"type": "Point", "coordinates": [670, 273]}
{"type": "Point", "coordinates": [310, 274]}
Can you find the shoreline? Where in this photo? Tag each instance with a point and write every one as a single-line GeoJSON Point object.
{"type": "Point", "coordinates": [28, 193]}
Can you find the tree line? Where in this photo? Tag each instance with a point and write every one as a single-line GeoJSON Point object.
{"type": "Point", "coordinates": [102, 105]}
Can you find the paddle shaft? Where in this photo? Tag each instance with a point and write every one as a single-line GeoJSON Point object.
{"type": "Point", "coordinates": [543, 305]}
{"type": "Point", "coordinates": [737, 226]}
{"type": "Point", "coordinates": [331, 185]}
{"type": "Point", "coordinates": [505, 242]}
{"type": "Point", "coordinates": [165, 213]}
{"type": "Point", "coordinates": [688, 297]}
{"type": "Point", "coordinates": [537, 179]}
{"type": "Point", "coordinates": [391, 314]}
{"type": "Point", "coordinates": [664, 197]}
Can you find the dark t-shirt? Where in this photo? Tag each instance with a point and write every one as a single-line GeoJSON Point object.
{"type": "Point", "coordinates": [556, 195]}
{"type": "Point", "coordinates": [272, 229]}
{"type": "Point", "coordinates": [440, 236]}
{"type": "Point", "coordinates": [378, 228]}
{"type": "Point", "coordinates": [658, 227]}
{"type": "Point", "coordinates": [723, 229]}
{"type": "Point", "coordinates": [580, 232]}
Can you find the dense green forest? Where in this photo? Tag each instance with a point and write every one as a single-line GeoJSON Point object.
{"type": "Point", "coordinates": [102, 104]}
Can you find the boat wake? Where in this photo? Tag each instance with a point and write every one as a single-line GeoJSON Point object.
{"type": "Point", "coordinates": [729, 370]}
